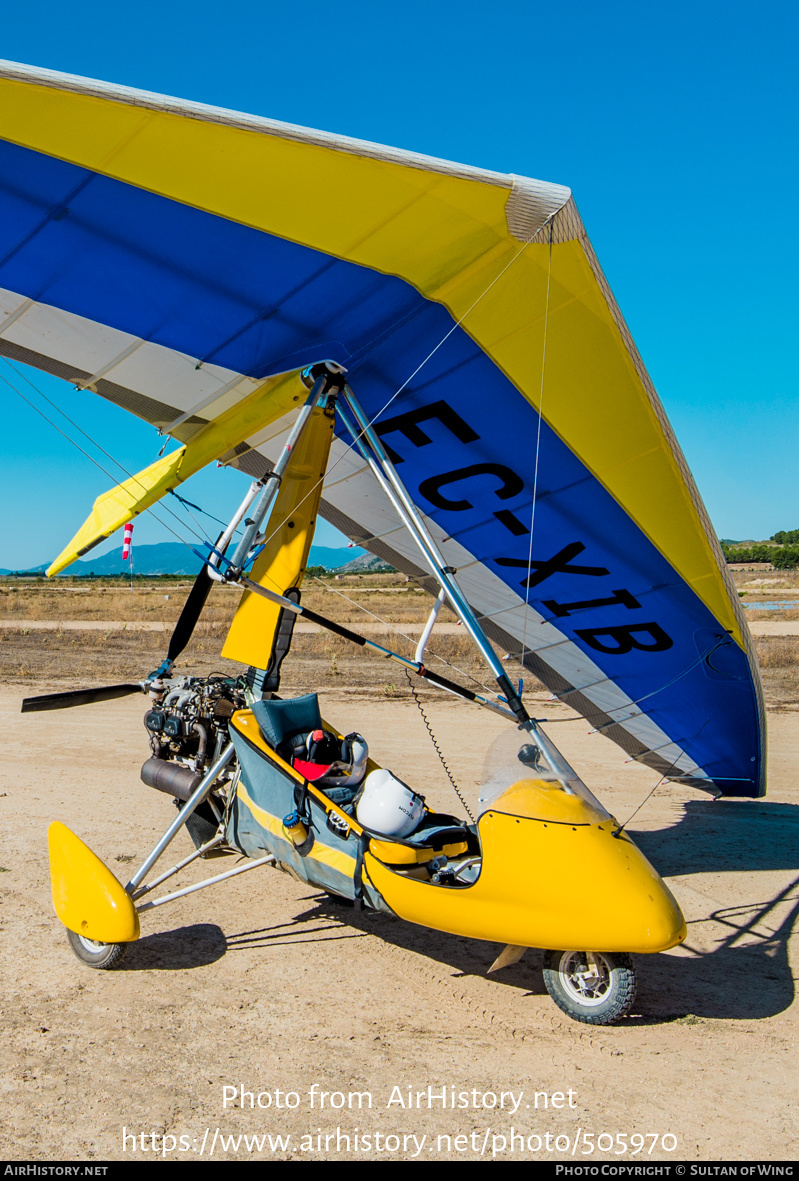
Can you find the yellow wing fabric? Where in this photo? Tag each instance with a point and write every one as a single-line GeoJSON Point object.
{"type": "Point", "coordinates": [120, 504]}
{"type": "Point", "coordinates": [270, 401]}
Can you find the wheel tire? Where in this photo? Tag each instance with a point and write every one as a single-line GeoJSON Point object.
{"type": "Point", "coordinates": [597, 997]}
{"type": "Point", "coordinates": [96, 955]}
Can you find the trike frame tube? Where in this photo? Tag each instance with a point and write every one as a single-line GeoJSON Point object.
{"type": "Point", "coordinates": [220, 877]}
{"type": "Point", "coordinates": [274, 477]}
{"type": "Point", "coordinates": [206, 848]}
{"type": "Point", "coordinates": [194, 800]}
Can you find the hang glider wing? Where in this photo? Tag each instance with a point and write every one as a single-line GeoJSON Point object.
{"type": "Point", "coordinates": [173, 257]}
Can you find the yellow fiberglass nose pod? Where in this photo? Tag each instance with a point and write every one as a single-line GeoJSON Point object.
{"type": "Point", "coordinates": [555, 871]}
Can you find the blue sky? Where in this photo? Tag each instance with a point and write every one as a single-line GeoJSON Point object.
{"type": "Point", "coordinates": [674, 125]}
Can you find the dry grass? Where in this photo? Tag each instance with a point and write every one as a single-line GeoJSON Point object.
{"type": "Point", "coordinates": [777, 651]}
{"type": "Point", "coordinates": [385, 595]}
{"type": "Point", "coordinates": [767, 586]}
{"type": "Point", "coordinates": [787, 614]}
{"type": "Point", "coordinates": [778, 657]}
{"type": "Point", "coordinates": [749, 579]}
{"type": "Point", "coordinates": [317, 661]}
{"type": "Point", "coordinates": [93, 657]}
{"type": "Point", "coordinates": [62, 599]}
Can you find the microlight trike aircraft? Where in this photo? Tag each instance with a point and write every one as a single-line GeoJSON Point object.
{"type": "Point", "coordinates": [429, 356]}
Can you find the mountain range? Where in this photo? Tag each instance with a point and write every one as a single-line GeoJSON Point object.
{"type": "Point", "coordinates": [172, 557]}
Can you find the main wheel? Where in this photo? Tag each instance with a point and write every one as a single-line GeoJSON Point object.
{"type": "Point", "coordinates": [597, 987]}
{"type": "Point", "coordinates": [96, 955]}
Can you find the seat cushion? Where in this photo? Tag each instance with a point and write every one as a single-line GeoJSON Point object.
{"type": "Point", "coordinates": [280, 719]}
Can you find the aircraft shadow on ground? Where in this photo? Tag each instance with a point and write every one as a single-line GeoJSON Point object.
{"type": "Point", "coordinates": [714, 837]}
{"type": "Point", "coordinates": [174, 951]}
{"type": "Point", "coordinates": [745, 974]}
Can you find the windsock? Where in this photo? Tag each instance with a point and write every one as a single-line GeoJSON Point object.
{"type": "Point", "coordinates": [127, 541]}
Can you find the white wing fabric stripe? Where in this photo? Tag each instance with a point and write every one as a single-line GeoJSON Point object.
{"type": "Point", "coordinates": [107, 353]}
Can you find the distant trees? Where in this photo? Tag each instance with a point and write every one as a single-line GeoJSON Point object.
{"type": "Point", "coordinates": [784, 555]}
{"type": "Point", "coordinates": [786, 558]}
{"type": "Point", "coordinates": [749, 553]}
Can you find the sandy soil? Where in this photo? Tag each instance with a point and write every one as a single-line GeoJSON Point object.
{"type": "Point", "coordinates": [774, 627]}
{"type": "Point", "coordinates": [263, 983]}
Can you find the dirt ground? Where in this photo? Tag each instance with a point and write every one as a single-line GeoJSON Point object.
{"type": "Point", "coordinates": [263, 983]}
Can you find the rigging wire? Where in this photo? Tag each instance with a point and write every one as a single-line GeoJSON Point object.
{"type": "Point", "coordinates": [436, 747]}
{"type": "Point", "coordinates": [373, 419]}
{"type": "Point", "coordinates": [457, 324]}
{"type": "Point", "coordinates": [311, 491]}
{"type": "Point", "coordinates": [418, 368]}
{"type": "Point", "coordinates": [703, 656]}
{"type": "Point", "coordinates": [617, 832]}
{"type": "Point", "coordinates": [537, 448]}
{"type": "Point", "coordinates": [637, 701]}
{"type": "Point", "coordinates": [412, 686]}
{"type": "Point", "coordinates": [196, 522]}
{"type": "Point", "coordinates": [63, 414]}
{"type": "Point", "coordinates": [187, 503]}
{"type": "Point", "coordinates": [393, 628]}
{"type": "Point", "coordinates": [96, 462]}
{"type": "Point", "coordinates": [382, 410]}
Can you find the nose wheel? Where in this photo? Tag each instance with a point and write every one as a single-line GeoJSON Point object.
{"type": "Point", "coordinates": [596, 987]}
{"type": "Point", "coordinates": [96, 955]}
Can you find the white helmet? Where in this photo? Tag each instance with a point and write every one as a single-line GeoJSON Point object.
{"type": "Point", "coordinates": [389, 806]}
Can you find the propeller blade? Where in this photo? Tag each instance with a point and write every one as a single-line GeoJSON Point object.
{"type": "Point", "coordinates": [180, 637]}
{"type": "Point", "coordinates": [79, 697]}
{"type": "Point", "coordinates": [192, 609]}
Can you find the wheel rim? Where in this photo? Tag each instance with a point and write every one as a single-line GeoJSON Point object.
{"type": "Point", "coordinates": [587, 984]}
{"type": "Point", "coordinates": [91, 945]}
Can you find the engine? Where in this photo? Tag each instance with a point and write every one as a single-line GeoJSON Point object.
{"type": "Point", "coordinates": [188, 728]}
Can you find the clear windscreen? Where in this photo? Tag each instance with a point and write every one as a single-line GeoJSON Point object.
{"type": "Point", "coordinates": [518, 756]}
